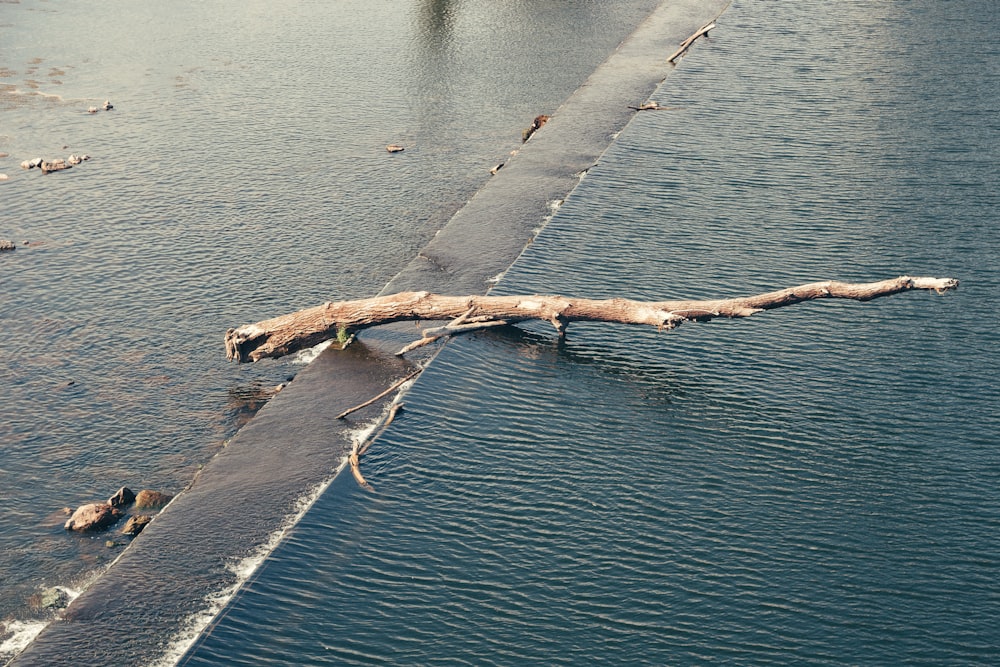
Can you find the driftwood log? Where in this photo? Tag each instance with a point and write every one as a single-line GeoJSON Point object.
{"type": "Point", "coordinates": [305, 328]}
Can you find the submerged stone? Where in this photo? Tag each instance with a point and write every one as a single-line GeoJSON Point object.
{"type": "Point", "coordinates": [147, 499]}
{"type": "Point", "coordinates": [124, 496]}
{"type": "Point", "coordinates": [93, 516]}
{"type": "Point", "coordinates": [54, 598]}
{"type": "Point", "coordinates": [135, 524]}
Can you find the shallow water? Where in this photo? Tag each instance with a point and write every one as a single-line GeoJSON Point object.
{"type": "Point", "coordinates": [814, 486]}
{"type": "Point", "coordinates": [241, 174]}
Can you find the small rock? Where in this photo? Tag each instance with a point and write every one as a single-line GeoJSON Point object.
{"type": "Point", "coordinates": [496, 168]}
{"type": "Point", "coordinates": [94, 516]}
{"type": "Point", "coordinates": [54, 165]}
{"type": "Point", "coordinates": [54, 598]}
{"type": "Point", "coordinates": [6, 245]}
{"type": "Point", "coordinates": [147, 499]}
{"type": "Point", "coordinates": [135, 524]}
{"type": "Point", "coordinates": [92, 109]}
{"type": "Point", "coordinates": [124, 496]}
{"type": "Point", "coordinates": [536, 125]}
{"type": "Point", "coordinates": [4, 177]}
{"type": "Point", "coordinates": [107, 105]}
{"type": "Point", "coordinates": [394, 148]}
{"type": "Point", "coordinates": [31, 164]}
{"type": "Point", "coordinates": [74, 159]}
{"type": "Point", "coordinates": [110, 544]}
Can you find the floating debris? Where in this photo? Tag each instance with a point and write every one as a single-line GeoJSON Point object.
{"type": "Point", "coordinates": [651, 106]}
{"type": "Point", "coordinates": [686, 44]}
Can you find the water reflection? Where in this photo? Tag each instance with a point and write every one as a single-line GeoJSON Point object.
{"type": "Point", "coordinates": [437, 19]}
{"type": "Point", "coordinates": [642, 372]}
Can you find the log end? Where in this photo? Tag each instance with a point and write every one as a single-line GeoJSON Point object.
{"type": "Point", "coordinates": [242, 341]}
{"type": "Point", "coordinates": [937, 284]}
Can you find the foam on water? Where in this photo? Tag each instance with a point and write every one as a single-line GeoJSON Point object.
{"type": "Point", "coordinates": [305, 357]}
{"type": "Point", "coordinates": [21, 634]}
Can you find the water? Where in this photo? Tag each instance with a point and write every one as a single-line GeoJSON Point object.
{"type": "Point", "coordinates": [241, 174]}
{"type": "Point", "coordinates": [814, 485]}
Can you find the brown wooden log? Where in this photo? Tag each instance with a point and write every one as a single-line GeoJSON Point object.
{"type": "Point", "coordinates": [305, 328]}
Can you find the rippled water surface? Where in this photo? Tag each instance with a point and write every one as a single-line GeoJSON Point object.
{"type": "Point", "coordinates": [814, 486]}
{"type": "Point", "coordinates": [241, 174]}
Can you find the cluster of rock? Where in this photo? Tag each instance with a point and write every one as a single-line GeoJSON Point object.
{"type": "Point", "coordinates": [6, 245]}
{"type": "Point", "coordinates": [100, 516]}
{"type": "Point", "coordinates": [58, 164]}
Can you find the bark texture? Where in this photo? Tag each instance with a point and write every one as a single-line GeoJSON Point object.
{"type": "Point", "coordinates": [302, 329]}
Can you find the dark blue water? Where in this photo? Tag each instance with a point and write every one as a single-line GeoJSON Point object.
{"type": "Point", "coordinates": [811, 486]}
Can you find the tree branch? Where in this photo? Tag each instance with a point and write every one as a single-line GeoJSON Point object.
{"type": "Point", "coordinates": [686, 44]}
{"type": "Point", "coordinates": [305, 328]}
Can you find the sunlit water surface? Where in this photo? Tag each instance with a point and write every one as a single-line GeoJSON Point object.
{"type": "Point", "coordinates": [815, 485]}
